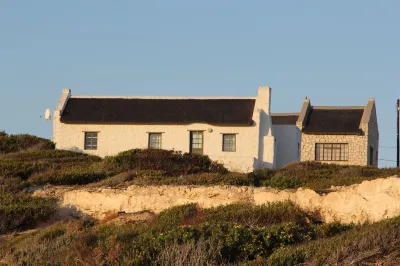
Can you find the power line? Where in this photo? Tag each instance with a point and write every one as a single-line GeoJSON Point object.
{"type": "Point", "coordinates": [387, 147]}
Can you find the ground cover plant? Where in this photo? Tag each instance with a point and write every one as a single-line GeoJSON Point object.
{"type": "Point", "coordinates": [180, 234]}
{"type": "Point", "coordinates": [172, 162]}
{"type": "Point", "coordinates": [15, 143]}
{"type": "Point", "coordinates": [370, 244]}
{"type": "Point", "coordinates": [35, 161]}
{"type": "Point", "coordinates": [21, 211]}
{"type": "Point", "coordinates": [318, 176]}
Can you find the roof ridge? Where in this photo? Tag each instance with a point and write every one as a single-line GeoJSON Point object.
{"type": "Point", "coordinates": [166, 97]}
{"type": "Point", "coordinates": [284, 114]}
{"type": "Point", "coordinates": [338, 107]}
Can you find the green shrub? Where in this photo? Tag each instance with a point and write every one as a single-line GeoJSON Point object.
{"type": "Point", "coordinates": [51, 156]}
{"type": "Point", "coordinates": [366, 243]}
{"type": "Point", "coordinates": [318, 176]}
{"type": "Point", "coordinates": [119, 180]}
{"type": "Point", "coordinates": [175, 216]}
{"type": "Point", "coordinates": [15, 143]}
{"type": "Point", "coordinates": [167, 238]}
{"type": "Point", "coordinates": [22, 170]}
{"type": "Point", "coordinates": [68, 176]}
{"type": "Point", "coordinates": [259, 216]}
{"type": "Point", "coordinates": [199, 179]}
{"type": "Point", "coordinates": [150, 173]}
{"type": "Point", "coordinates": [18, 211]}
{"type": "Point", "coordinates": [11, 184]}
{"type": "Point", "coordinates": [261, 174]}
{"type": "Point", "coordinates": [284, 182]}
{"type": "Point", "coordinates": [172, 162]}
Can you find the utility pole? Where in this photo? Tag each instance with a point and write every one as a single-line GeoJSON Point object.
{"type": "Point", "coordinates": [397, 130]}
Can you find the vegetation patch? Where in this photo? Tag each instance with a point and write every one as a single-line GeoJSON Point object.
{"type": "Point", "coordinates": [369, 244]}
{"type": "Point", "coordinates": [11, 184]}
{"type": "Point", "coordinates": [20, 211]}
{"type": "Point", "coordinates": [318, 176]}
{"type": "Point", "coordinates": [68, 176]}
{"type": "Point", "coordinates": [172, 162]}
{"type": "Point", "coordinates": [55, 156]}
{"type": "Point", "coordinates": [15, 143]}
{"type": "Point", "coordinates": [20, 169]}
{"type": "Point", "coordinates": [170, 237]}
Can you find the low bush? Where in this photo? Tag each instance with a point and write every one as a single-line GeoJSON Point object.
{"type": "Point", "coordinates": [120, 180]}
{"type": "Point", "coordinates": [165, 240]}
{"type": "Point", "coordinates": [51, 156]}
{"type": "Point", "coordinates": [204, 179]}
{"type": "Point", "coordinates": [11, 184]}
{"type": "Point", "coordinates": [366, 244]}
{"type": "Point", "coordinates": [68, 176]}
{"type": "Point", "coordinates": [175, 216]}
{"type": "Point", "coordinates": [256, 216]}
{"type": "Point", "coordinates": [172, 162]}
{"type": "Point", "coordinates": [15, 143]}
{"type": "Point", "coordinates": [318, 176]}
{"type": "Point", "coordinates": [150, 173]}
{"type": "Point", "coordinates": [19, 211]}
{"type": "Point", "coordinates": [22, 170]}
{"type": "Point", "coordinates": [283, 182]}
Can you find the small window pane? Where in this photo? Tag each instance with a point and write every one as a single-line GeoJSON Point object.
{"type": "Point", "coordinates": [155, 141]}
{"type": "Point", "coordinates": [90, 140]}
{"type": "Point", "coordinates": [229, 142]}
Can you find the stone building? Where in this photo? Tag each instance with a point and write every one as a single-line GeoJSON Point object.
{"type": "Point", "coordinates": [236, 131]}
{"type": "Point", "coordinates": [341, 135]}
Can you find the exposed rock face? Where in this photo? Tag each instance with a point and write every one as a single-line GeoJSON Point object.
{"type": "Point", "coordinates": [369, 201]}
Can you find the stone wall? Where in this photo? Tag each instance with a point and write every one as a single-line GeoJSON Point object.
{"type": "Point", "coordinates": [358, 147]}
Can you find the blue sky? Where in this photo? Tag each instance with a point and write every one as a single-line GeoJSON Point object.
{"type": "Point", "coordinates": [334, 52]}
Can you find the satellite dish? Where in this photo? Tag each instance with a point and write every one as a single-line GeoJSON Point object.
{"type": "Point", "coordinates": [47, 114]}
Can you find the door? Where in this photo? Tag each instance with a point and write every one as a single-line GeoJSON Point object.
{"type": "Point", "coordinates": [196, 142]}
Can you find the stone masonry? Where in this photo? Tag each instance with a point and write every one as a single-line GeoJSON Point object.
{"type": "Point", "coordinates": [358, 145]}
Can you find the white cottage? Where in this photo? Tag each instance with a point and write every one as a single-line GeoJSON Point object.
{"type": "Point", "coordinates": [236, 131]}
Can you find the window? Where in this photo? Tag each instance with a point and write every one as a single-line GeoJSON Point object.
{"type": "Point", "coordinates": [196, 142]}
{"type": "Point", "coordinates": [331, 151]}
{"type": "Point", "coordinates": [155, 140]}
{"type": "Point", "coordinates": [90, 140]}
{"type": "Point", "coordinates": [228, 142]}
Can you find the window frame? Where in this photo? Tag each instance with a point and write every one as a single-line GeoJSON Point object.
{"type": "Point", "coordinates": [87, 138]}
{"type": "Point", "coordinates": [229, 144]}
{"type": "Point", "coordinates": [327, 154]}
{"type": "Point", "coordinates": [198, 141]}
{"type": "Point", "coordinates": [149, 140]}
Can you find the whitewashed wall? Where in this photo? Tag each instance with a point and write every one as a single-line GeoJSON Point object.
{"type": "Point", "coordinates": [254, 144]}
{"type": "Point", "coordinates": [288, 139]}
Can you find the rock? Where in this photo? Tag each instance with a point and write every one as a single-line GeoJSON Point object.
{"type": "Point", "coordinates": [369, 201]}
